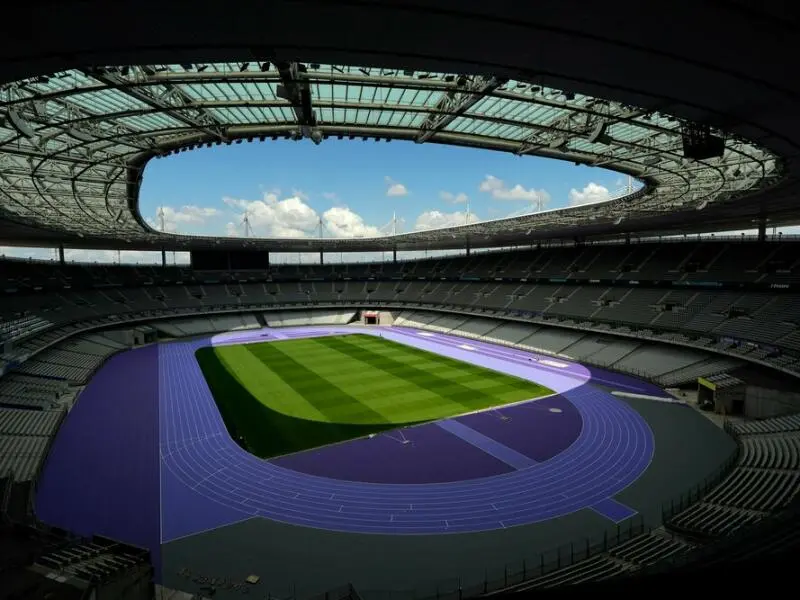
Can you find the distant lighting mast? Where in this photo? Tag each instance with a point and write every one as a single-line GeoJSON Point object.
{"type": "Point", "coordinates": [248, 230]}
{"type": "Point", "coordinates": [162, 222]}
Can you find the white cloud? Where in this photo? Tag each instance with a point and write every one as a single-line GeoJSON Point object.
{"type": "Point", "coordinates": [270, 217]}
{"type": "Point", "coordinates": [293, 217]}
{"type": "Point", "coordinates": [498, 190]}
{"type": "Point", "coordinates": [593, 192]}
{"type": "Point", "coordinates": [185, 218]}
{"type": "Point", "coordinates": [194, 214]}
{"type": "Point", "coordinates": [395, 189]}
{"type": "Point", "coordinates": [332, 196]}
{"type": "Point", "coordinates": [433, 219]}
{"type": "Point", "coordinates": [340, 221]}
{"type": "Point", "coordinates": [451, 198]}
{"type": "Point", "coordinates": [300, 194]}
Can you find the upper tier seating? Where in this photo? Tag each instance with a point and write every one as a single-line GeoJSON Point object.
{"type": "Point", "coordinates": [771, 262]}
{"type": "Point", "coordinates": [45, 302]}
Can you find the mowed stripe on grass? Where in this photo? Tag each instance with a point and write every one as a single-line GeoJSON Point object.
{"type": "Point", "coordinates": [458, 387]}
{"type": "Point", "coordinates": [335, 388]}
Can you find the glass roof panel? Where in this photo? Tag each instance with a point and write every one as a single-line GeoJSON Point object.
{"type": "Point", "coordinates": [115, 113]}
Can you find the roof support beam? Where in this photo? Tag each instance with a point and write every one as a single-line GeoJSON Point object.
{"type": "Point", "coordinates": [571, 121]}
{"type": "Point", "coordinates": [456, 102]}
{"type": "Point", "coordinates": [296, 89]}
{"type": "Point", "coordinates": [175, 99]}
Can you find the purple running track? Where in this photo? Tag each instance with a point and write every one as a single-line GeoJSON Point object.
{"type": "Point", "coordinates": [422, 454]}
{"type": "Point", "coordinates": [101, 476]}
{"type": "Point", "coordinates": [614, 448]}
{"type": "Point", "coordinates": [124, 416]}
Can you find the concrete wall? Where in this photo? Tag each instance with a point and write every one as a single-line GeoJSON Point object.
{"type": "Point", "coordinates": [761, 402]}
{"type": "Point", "coordinates": [123, 336]}
{"type": "Point", "coordinates": [386, 317]}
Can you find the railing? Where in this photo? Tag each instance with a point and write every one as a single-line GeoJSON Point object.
{"type": "Point", "coordinates": [501, 577]}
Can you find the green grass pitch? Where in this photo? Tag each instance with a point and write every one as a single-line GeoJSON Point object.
{"type": "Point", "coordinates": [286, 396]}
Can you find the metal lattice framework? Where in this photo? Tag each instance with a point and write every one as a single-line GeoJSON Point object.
{"type": "Point", "coordinates": [73, 145]}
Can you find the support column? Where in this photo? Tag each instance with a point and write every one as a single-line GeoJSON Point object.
{"type": "Point", "coordinates": [321, 259]}
{"type": "Point", "coordinates": [762, 229]}
{"type": "Point", "coordinates": [468, 248]}
{"type": "Point", "coordinates": [163, 257]}
{"type": "Point", "coordinates": [627, 238]}
{"type": "Point", "coordinates": [394, 255]}
{"type": "Point", "coordinates": [61, 254]}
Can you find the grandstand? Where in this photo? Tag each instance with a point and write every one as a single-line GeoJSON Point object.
{"type": "Point", "coordinates": [614, 302]}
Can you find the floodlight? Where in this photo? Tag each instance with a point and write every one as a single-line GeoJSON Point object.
{"type": "Point", "coordinates": [20, 125]}
{"type": "Point", "coordinates": [83, 136]}
{"type": "Point", "coordinates": [598, 134]}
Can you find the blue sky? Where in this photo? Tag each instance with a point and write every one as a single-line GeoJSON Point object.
{"type": "Point", "coordinates": [355, 186]}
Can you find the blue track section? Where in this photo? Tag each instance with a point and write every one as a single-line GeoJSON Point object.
{"type": "Point", "coordinates": [614, 447]}
{"type": "Point", "coordinates": [149, 418]}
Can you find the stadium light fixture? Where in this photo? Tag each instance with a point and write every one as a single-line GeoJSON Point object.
{"type": "Point", "coordinates": [244, 66]}
{"type": "Point", "coordinates": [264, 66]}
{"type": "Point", "coordinates": [21, 126]}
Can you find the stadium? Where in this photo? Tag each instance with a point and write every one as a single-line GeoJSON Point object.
{"type": "Point", "coordinates": [604, 392]}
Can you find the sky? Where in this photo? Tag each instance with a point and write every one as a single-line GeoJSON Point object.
{"type": "Point", "coordinates": [354, 188]}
